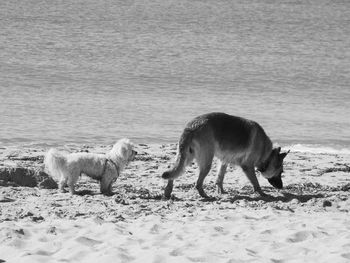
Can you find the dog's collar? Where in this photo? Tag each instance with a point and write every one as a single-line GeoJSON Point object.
{"type": "Point", "coordinates": [115, 165]}
{"type": "Point", "coordinates": [105, 166]}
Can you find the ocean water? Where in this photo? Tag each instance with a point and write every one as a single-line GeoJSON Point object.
{"type": "Point", "coordinates": [90, 72]}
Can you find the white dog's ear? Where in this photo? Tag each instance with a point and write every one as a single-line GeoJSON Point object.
{"type": "Point", "coordinates": [124, 151]}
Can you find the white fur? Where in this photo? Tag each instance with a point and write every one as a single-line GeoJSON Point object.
{"type": "Point", "coordinates": [67, 167]}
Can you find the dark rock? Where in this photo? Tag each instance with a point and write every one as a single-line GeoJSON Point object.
{"type": "Point", "coordinates": [327, 203]}
{"type": "Point", "coordinates": [26, 177]}
{"type": "Point", "coordinates": [48, 183]}
{"type": "Point", "coordinates": [26, 214]}
{"type": "Point", "coordinates": [37, 218]}
{"type": "Point", "coordinates": [52, 230]}
{"type": "Point", "coordinates": [18, 175]}
{"type": "Point", "coordinates": [7, 183]}
{"type": "Point", "coordinates": [20, 231]}
{"type": "Point", "coordinates": [345, 187]}
{"type": "Point", "coordinates": [4, 199]}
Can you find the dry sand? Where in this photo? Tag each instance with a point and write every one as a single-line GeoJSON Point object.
{"type": "Point", "coordinates": [307, 221]}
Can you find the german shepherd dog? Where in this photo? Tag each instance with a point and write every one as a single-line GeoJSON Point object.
{"type": "Point", "coordinates": [233, 140]}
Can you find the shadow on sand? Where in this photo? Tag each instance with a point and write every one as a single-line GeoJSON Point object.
{"type": "Point", "coordinates": [286, 197]}
{"type": "Point", "coordinates": [85, 192]}
{"type": "Point", "coordinates": [230, 197]}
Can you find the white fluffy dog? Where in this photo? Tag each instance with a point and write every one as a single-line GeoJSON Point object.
{"type": "Point", "coordinates": [67, 167]}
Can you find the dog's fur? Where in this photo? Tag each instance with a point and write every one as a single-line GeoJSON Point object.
{"type": "Point", "coordinates": [233, 140]}
{"type": "Point", "coordinates": [68, 167]}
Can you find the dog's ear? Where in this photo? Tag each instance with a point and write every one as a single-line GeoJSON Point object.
{"type": "Point", "coordinates": [124, 151]}
{"type": "Point", "coordinates": [276, 151]}
{"type": "Point", "coordinates": [283, 155]}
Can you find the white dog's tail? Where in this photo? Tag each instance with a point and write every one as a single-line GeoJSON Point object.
{"type": "Point", "coordinates": [55, 162]}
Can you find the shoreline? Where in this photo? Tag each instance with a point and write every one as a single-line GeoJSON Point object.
{"type": "Point", "coordinates": [314, 206]}
{"type": "Point", "coordinates": [333, 148]}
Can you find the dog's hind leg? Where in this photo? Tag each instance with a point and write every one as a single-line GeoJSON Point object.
{"type": "Point", "coordinates": [220, 178]}
{"type": "Point", "coordinates": [250, 173]}
{"type": "Point", "coordinates": [168, 189]}
{"type": "Point", "coordinates": [62, 183]}
{"type": "Point", "coordinates": [204, 162]}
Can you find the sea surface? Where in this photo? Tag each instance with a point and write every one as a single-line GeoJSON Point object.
{"type": "Point", "coordinates": [93, 71]}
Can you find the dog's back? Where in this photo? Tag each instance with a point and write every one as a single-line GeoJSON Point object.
{"type": "Point", "coordinates": [238, 140]}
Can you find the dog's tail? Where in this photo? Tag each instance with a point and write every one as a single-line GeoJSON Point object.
{"type": "Point", "coordinates": [55, 162]}
{"type": "Point", "coordinates": [183, 158]}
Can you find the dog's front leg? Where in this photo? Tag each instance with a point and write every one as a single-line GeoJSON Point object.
{"type": "Point", "coordinates": [250, 173]}
{"type": "Point", "coordinates": [106, 185]}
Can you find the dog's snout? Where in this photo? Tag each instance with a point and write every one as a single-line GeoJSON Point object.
{"type": "Point", "coordinates": [135, 152]}
{"type": "Point", "coordinates": [276, 182]}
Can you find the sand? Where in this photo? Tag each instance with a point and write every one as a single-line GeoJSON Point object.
{"type": "Point", "coordinates": [307, 221]}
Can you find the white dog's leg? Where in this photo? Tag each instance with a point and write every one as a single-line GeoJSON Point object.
{"type": "Point", "coordinates": [106, 187]}
{"type": "Point", "coordinates": [106, 184]}
{"type": "Point", "coordinates": [62, 184]}
{"type": "Point", "coordinates": [72, 180]}
{"type": "Point", "coordinates": [71, 188]}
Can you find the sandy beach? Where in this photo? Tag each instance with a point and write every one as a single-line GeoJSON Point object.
{"type": "Point", "coordinates": [307, 221]}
